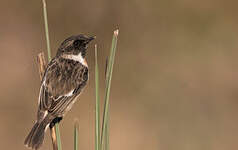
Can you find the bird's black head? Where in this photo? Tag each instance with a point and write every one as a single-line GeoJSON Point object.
{"type": "Point", "coordinates": [74, 45]}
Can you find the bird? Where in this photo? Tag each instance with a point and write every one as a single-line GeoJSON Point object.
{"type": "Point", "coordinates": [64, 79]}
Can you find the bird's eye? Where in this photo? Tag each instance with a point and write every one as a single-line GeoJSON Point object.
{"type": "Point", "coordinates": [77, 43]}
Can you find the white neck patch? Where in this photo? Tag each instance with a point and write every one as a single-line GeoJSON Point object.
{"type": "Point", "coordinates": [78, 58]}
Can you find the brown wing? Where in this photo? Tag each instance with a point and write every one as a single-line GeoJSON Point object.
{"type": "Point", "coordinates": [63, 81]}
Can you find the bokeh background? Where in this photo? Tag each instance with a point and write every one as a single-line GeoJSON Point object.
{"type": "Point", "coordinates": [175, 79]}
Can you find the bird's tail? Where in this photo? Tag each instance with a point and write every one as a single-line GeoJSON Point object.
{"type": "Point", "coordinates": [36, 136]}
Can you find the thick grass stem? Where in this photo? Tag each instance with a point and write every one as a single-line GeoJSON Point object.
{"type": "Point", "coordinates": [105, 124]}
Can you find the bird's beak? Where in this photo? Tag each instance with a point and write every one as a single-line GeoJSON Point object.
{"type": "Point", "coordinates": [91, 38]}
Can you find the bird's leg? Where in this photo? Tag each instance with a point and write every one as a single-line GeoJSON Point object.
{"type": "Point", "coordinates": [54, 121]}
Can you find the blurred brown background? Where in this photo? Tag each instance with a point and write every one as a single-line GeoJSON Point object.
{"type": "Point", "coordinates": [175, 79]}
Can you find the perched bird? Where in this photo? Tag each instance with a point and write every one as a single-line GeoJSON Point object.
{"type": "Point", "coordinates": [64, 79]}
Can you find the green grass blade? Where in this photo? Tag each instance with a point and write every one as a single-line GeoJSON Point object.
{"type": "Point", "coordinates": [58, 136]}
{"type": "Point", "coordinates": [97, 106]}
{"type": "Point", "coordinates": [107, 131]}
{"type": "Point", "coordinates": [46, 29]}
{"type": "Point", "coordinates": [76, 134]}
{"type": "Point", "coordinates": [104, 136]}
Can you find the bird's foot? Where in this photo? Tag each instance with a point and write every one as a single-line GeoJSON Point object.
{"type": "Point", "coordinates": [54, 121]}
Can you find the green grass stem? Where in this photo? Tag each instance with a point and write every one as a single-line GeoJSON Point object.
{"type": "Point", "coordinates": [105, 124]}
{"type": "Point", "coordinates": [46, 29]}
{"type": "Point", "coordinates": [76, 134]}
{"type": "Point", "coordinates": [97, 106]}
{"type": "Point", "coordinates": [58, 136]}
